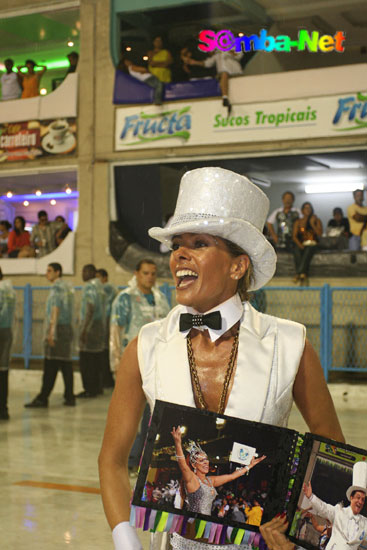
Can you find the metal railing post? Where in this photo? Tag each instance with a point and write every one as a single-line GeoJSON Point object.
{"type": "Point", "coordinates": [27, 324]}
{"type": "Point", "coordinates": [324, 329]}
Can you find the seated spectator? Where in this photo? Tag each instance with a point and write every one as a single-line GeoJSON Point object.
{"type": "Point", "coordinates": [338, 225]}
{"type": "Point", "coordinates": [63, 231]}
{"type": "Point", "coordinates": [142, 74]}
{"type": "Point", "coordinates": [10, 82]}
{"type": "Point", "coordinates": [159, 61]}
{"type": "Point", "coordinates": [73, 58]}
{"type": "Point", "coordinates": [4, 235]}
{"type": "Point", "coordinates": [227, 65]}
{"type": "Point", "coordinates": [30, 80]}
{"type": "Point", "coordinates": [186, 71]}
{"type": "Point", "coordinates": [357, 216]}
{"type": "Point", "coordinates": [284, 217]}
{"type": "Point", "coordinates": [43, 234]}
{"type": "Point", "coordinates": [19, 241]}
{"type": "Point", "coordinates": [306, 233]}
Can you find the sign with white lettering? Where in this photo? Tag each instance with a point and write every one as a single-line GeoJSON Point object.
{"type": "Point", "coordinates": [207, 122]}
{"type": "Point", "coordinates": [37, 138]}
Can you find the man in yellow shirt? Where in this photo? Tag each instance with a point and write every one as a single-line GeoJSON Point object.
{"type": "Point", "coordinates": [254, 513]}
{"type": "Point", "coordinates": [357, 216]}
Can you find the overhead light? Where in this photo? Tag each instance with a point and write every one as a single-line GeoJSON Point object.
{"type": "Point", "coordinates": [68, 190]}
{"type": "Point", "coordinates": [38, 192]}
{"type": "Point", "coordinates": [335, 187]}
{"type": "Point", "coordinates": [263, 181]}
{"type": "Point", "coordinates": [9, 194]}
{"type": "Point", "coordinates": [25, 203]}
{"type": "Point", "coordinates": [52, 202]}
{"type": "Point", "coordinates": [145, 58]}
{"type": "Point", "coordinates": [70, 43]}
{"type": "Point", "coordinates": [43, 91]}
{"type": "Point", "coordinates": [183, 430]}
{"type": "Point", "coordinates": [74, 32]}
{"type": "Point", "coordinates": [240, 34]}
{"type": "Point", "coordinates": [128, 48]}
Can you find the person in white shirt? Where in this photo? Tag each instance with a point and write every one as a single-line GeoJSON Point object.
{"type": "Point", "coordinates": [227, 65]}
{"type": "Point", "coordinates": [142, 74]}
{"type": "Point", "coordinates": [10, 82]}
{"type": "Point", "coordinates": [349, 526]}
{"type": "Point", "coordinates": [284, 218]}
{"type": "Point", "coordinates": [189, 357]}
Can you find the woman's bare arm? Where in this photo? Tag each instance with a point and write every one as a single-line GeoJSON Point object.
{"type": "Point", "coordinates": [190, 479]}
{"type": "Point", "coordinates": [221, 480]}
{"type": "Point", "coordinates": [123, 418]}
{"type": "Point", "coordinates": [295, 234]}
{"type": "Point", "coordinates": [313, 398]}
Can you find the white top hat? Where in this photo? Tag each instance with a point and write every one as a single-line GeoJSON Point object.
{"type": "Point", "coordinates": [359, 479]}
{"type": "Point", "coordinates": [225, 204]}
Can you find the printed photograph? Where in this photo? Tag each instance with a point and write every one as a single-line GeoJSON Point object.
{"type": "Point", "coordinates": [197, 463]}
{"type": "Point", "coordinates": [331, 510]}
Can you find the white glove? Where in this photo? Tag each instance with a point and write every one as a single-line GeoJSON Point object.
{"type": "Point", "coordinates": [125, 537]}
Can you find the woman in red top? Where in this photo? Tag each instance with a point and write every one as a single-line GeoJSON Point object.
{"type": "Point", "coordinates": [19, 244]}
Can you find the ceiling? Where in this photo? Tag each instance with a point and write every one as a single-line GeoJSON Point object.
{"type": "Point", "coordinates": [42, 37]}
{"type": "Point", "coordinates": [46, 182]}
{"type": "Point", "coordinates": [181, 25]}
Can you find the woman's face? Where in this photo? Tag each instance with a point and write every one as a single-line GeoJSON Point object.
{"type": "Point", "coordinates": [202, 464]}
{"type": "Point", "coordinates": [158, 43]}
{"type": "Point", "coordinates": [307, 210]}
{"type": "Point", "coordinates": [204, 272]}
{"type": "Point", "coordinates": [18, 224]}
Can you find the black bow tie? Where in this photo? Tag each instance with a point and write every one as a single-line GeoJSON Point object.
{"type": "Point", "coordinates": [211, 320]}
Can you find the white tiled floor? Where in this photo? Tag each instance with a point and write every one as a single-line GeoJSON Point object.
{"type": "Point", "coordinates": [60, 445]}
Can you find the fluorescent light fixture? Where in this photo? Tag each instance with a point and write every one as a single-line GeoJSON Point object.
{"type": "Point", "coordinates": [259, 179]}
{"type": "Point", "coordinates": [336, 187]}
{"type": "Point", "coordinates": [43, 197]}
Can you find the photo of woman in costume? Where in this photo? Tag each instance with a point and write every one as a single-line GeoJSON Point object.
{"type": "Point", "coordinates": [213, 351]}
{"type": "Point", "coordinates": [199, 487]}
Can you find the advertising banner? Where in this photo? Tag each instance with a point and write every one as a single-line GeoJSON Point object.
{"type": "Point", "coordinates": [206, 122]}
{"type": "Point", "coordinates": [33, 139]}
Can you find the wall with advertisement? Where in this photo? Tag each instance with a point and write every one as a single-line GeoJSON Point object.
{"type": "Point", "coordinates": [182, 124]}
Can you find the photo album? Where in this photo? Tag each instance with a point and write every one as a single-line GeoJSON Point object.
{"type": "Point", "coordinates": [217, 479]}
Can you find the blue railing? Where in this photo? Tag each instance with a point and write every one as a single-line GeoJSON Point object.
{"type": "Point", "coordinates": [335, 318]}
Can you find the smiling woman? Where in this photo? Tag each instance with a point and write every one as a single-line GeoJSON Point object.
{"type": "Point", "coordinates": [212, 351]}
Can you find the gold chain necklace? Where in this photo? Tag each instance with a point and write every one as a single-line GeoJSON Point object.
{"type": "Point", "coordinates": [227, 379]}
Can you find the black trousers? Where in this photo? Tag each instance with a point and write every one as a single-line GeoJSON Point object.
{"type": "Point", "coordinates": [50, 370]}
{"type": "Point", "coordinates": [107, 376]}
{"type": "Point", "coordinates": [302, 258]}
{"type": "Point", "coordinates": [4, 390]}
{"type": "Point", "coordinates": [91, 370]}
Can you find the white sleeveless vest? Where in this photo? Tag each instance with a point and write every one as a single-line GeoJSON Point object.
{"type": "Point", "coordinates": [269, 353]}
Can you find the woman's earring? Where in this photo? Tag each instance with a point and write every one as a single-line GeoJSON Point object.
{"type": "Point", "coordinates": [194, 470]}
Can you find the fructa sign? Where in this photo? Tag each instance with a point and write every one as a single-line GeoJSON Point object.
{"type": "Point", "coordinates": [207, 122]}
{"type": "Point", "coordinates": [144, 128]}
{"type": "Point", "coordinates": [352, 111]}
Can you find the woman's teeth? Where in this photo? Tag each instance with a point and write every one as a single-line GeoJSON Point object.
{"type": "Point", "coordinates": [185, 277]}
